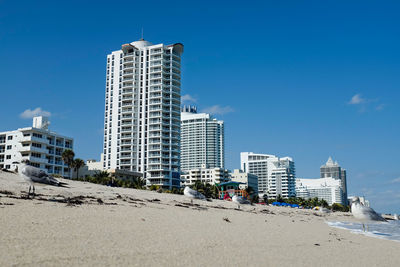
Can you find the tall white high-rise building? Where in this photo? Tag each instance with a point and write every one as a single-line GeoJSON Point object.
{"type": "Point", "coordinates": [282, 177]}
{"type": "Point", "coordinates": [333, 169]}
{"type": "Point", "coordinates": [276, 176]}
{"type": "Point", "coordinates": [202, 140]}
{"type": "Point", "coordinates": [256, 164]}
{"type": "Point", "coordinates": [142, 111]}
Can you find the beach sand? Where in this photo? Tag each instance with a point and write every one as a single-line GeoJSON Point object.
{"type": "Point", "coordinates": [93, 225]}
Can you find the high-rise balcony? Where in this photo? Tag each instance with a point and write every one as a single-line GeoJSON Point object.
{"type": "Point", "coordinates": [127, 123]}
{"type": "Point", "coordinates": [127, 85]}
{"type": "Point", "coordinates": [126, 129]}
{"type": "Point", "coordinates": [155, 101]}
{"type": "Point", "coordinates": [127, 79]}
{"type": "Point", "coordinates": [154, 147]}
{"type": "Point", "coordinates": [154, 141]}
{"type": "Point", "coordinates": [127, 97]}
{"type": "Point", "coordinates": [155, 108]}
{"type": "Point", "coordinates": [155, 82]}
{"type": "Point", "coordinates": [126, 156]}
{"type": "Point", "coordinates": [127, 91]}
{"type": "Point", "coordinates": [155, 63]}
{"type": "Point", "coordinates": [156, 134]}
{"type": "Point", "coordinates": [127, 110]}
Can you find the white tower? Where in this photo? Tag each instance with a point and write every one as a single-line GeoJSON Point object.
{"type": "Point", "coordinates": [202, 140]}
{"type": "Point", "coordinates": [142, 111]}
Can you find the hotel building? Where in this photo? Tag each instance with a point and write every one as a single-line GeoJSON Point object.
{"type": "Point", "coordinates": [282, 178]}
{"type": "Point", "coordinates": [333, 169]}
{"type": "Point", "coordinates": [205, 175]}
{"type": "Point", "coordinates": [276, 176]}
{"type": "Point", "coordinates": [142, 111]}
{"type": "Point", "coordinates": [327, 188]}
{"type": "Point", "coordinates": [202, 140]}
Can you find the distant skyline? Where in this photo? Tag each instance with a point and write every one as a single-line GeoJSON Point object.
{"type": "Point", "coordinates": [305, 79]}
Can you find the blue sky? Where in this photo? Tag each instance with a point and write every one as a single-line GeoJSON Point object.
{"type": "Point", "coordinates": [307, 79]}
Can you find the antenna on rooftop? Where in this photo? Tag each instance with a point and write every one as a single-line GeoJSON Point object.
{"type": "Point", "coordinates": [142, 34]}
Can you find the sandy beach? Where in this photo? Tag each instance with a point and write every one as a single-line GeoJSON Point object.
{"type": "Point", "coordinates": [93, 225]}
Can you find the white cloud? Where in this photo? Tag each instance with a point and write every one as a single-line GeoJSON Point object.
{"type": "Point", "coordinates": [397, 180]}
{"type": "Point", "coordinates": [380, 107]}
{"type": "Point", "coordinates": [365, 104]}
{"type": "Point", "coordinates": [28, 114]}
{"type": "Point", "coordinates": [188, 98]}
{"type": "Point", "coordinates": [357, 99]}
{"type": "Point", "coordinates": [218, 110]}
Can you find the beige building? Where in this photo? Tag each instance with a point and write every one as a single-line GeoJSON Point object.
{"type": "Point", "coordinates": [92, 167]}
{"type": "Point", "coordinates": [205, 175]}
{"type": "Point", "coordinates": [247, 179]}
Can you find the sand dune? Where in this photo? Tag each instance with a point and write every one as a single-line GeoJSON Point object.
{"type": "Point", "coordinates": [88, 224]}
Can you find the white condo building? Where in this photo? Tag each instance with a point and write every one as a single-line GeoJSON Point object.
{"type": "Point", "coordinates": [205, 175]}
{"type": "Point", "coordinates": [142, 111]}
{"type": "Point", "coordinates": [276, 176]}
{"type": "Point", "coordinates": [282, 177]}
{"type": "Point", "coordinates": [202, 140]}
{"type": "Point", "coordinates": [37, 144]}
{"type": "Point", "coordinates": [328, 188]}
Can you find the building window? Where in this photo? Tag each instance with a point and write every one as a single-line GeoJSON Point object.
{"type": "Point", "coordinates": [8, 157]}
{"type": "Point", "coordinates": [9, 137]}
{"type": "Point", "coordinates": [9, 147]}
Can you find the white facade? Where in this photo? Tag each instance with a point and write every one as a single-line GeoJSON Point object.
{"type": "Point", "coordinates": [90, 168]}
{"type": "Point", "coordinates": [276, 176]}
{"type": "Point", "coordinates": [202, 140]}
{"type": "Point", "coordinates": [282, 177]}
{"type": "Point", "coordinates": [327, 188]}
{"type": "Point", "coordinates": [205, 175]}
{"type": "Point", "coordinates": [142, 111]}
{"type": "Point", "coordinates": [37, 144]}
{"type": "Point", "coordinates": [333, 169]}
{"type": "Point", "coordinates": [94, 165]}
{"type": "Point", "coordinates": [249, 180]}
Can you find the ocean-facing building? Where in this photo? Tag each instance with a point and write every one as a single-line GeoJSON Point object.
{"type": "Point", "coordinates": [142, 111]}
{"type": "Point", "coordinates": [327, 188]}
{"type": "Point", "coordinates": [42, 147]}
{"type": "Point", "coordinates": [276, 176]}
{"type": "Point", "coordinates": [205, 175]}
{"type": "Point", "coordinates": [333, 170]}
{"type": "Point", "coordinates": [282, 178]}
{"type": "Point", "coordinates": [202, 140]}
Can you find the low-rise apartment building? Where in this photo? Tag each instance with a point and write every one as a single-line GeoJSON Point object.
{"type": "Point", "coordinates": [37, 144]}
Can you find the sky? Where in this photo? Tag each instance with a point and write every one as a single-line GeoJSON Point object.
{"type": "Point", "coordinates": [305, 79]}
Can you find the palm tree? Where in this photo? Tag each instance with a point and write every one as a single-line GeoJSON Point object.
{"type": "Point", "coordinates": [68, 157]}
{"type": "Point", "coordinates": [77, 164]}
{"type": "Point", "coordinates": [103, 177]}
{"type": "Point", "coordinates": [139, 183]}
